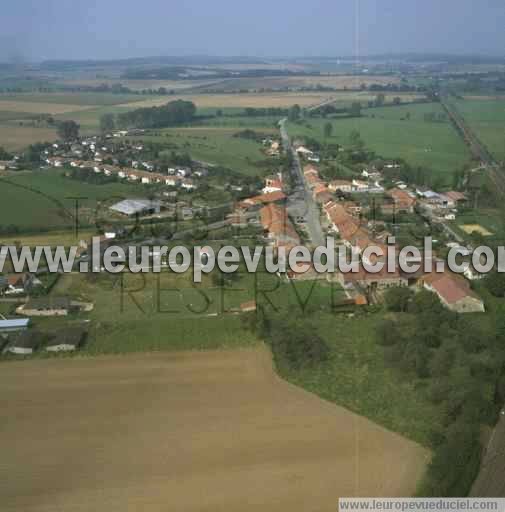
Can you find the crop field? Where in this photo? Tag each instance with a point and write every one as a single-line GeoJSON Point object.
{"type": "Point", "coordinates": [336, 82]}
{"type": "Point", "coordinates": [255, 100]}
{"type": "Point", "coordinates": [15, 137]}
{"type": "Point", "coordinates": [46, 196]}
{"type": "Point", "coordinates": [84, 99]}
{"type": "Point", "coordinates": [36, 107]}
{"type": "Point", "coordinates": [390, 134]}
{"type": "Point", "coordinates": [487, 118]}
{"type": "Point", "coordinates": [138, 85]}
{"type": "Point", "coordinates": [186, 431]}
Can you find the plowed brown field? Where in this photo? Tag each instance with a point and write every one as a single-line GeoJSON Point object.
{"type": "Point", "coordinates": [213, 431]}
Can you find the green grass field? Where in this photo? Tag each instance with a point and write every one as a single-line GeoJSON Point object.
{"type": "Point", "coordinates": [357, 378]}
{"type": "Point", "coordinates": [216, 145]}
{"type": "Point", "coordinates": [490, 219]}
{"type": "Point", "coordinates": [487, 118]}
{"type": "Point", "coordinates": [34, 200]}
{"type": "Point", "coordinates": [167, 311]}
{"type": "Point", "coordinates": [421, 143]}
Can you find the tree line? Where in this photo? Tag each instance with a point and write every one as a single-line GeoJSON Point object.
{"type": "Point", "coordinates": [174, 113]}
{"type": "Point", "coordinates": [460, 361]}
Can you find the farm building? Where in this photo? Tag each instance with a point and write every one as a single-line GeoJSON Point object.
{"type": "Point", "coordinates": [401, 201]}
{"type": "Point", "coordinates": [66, 340]}
{"type": "Point", "coordinates": [18, 283]}
{"type": "Point", "coordinates": [248, 307]}
{"type": "Point", "coordinates": [13, 325]}
{"type": "Point", "coordinates": [454, 292]}
{"type": "Point", "coordinates": [24, 343]}
{"type": "Point", "coordinates": [46, 306]}
{"type": "Point", "coordinates": [131, 207]}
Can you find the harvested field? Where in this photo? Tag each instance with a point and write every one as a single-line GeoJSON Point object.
{"type": "Point", "coordinates": [471, 228]}
{"type": "Point", "coordinates": [254, 100]}
{"type": "Point", "coordinates": [138, 85]}
{"type": "Point", "coordinates": [187, 431]}
{"type": "Point", "coordinates": [296, 82]}
{"type": "Point", "coordinates": [35, 107]}
{"type": "Point", "coordinates": [14, 137]}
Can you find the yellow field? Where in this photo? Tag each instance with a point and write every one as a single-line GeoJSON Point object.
{"type": "Point", "coordinates": [14, 137]}
{"type": "Point", "coordinates": [215, 431]}
{"type": "Point", "coordinates": [35, 107]}
{"type": "Point", "coordinates": [470, 228]}
{"type": "Point", "coordinates": [138, 85]}
{"type": "Point", "coordinates": [265, 100]}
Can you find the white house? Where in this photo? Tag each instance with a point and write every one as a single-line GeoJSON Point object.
{"type": "Point", "coordinates": [188, 185]}
{"type": "Point", "coordinates": [183, 173]}
{"type": "Point", "coordinates": [359, 186]}
{"type": "Point", "coordinates": [302, 150]}
{"type": "Point", "coordinates": [341, 185]}
{"type": "Point", "coordinates": [171, 181]}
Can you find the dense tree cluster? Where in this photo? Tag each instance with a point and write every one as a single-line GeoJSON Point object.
{"type": "Point", "coordinates": [295, 342]}
{"type": "Point", "coordinates": [68, 130]}
{"type": "Point", "coordinates": [173, 113]}
{"type": "Point", "coordinates": [461, 360]}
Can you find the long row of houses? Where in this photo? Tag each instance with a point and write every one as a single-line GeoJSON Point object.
{"type": "Point", "coordinates": [135, 175]}
{"type": "Point", "coordinates": [343, 219]}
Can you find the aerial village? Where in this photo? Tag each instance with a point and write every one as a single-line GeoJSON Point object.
{"type": "Point", "coordinates": [284, 212]}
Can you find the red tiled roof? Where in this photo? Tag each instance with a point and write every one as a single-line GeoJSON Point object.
{"type": "Point", "coordinates": [455, 196]}
{"type": "Point", "coordinates": [271, 197]}
{"type": "Point", "coordinates": [401, 198]}
{"type": "Point", "coordinates": [451, 287]}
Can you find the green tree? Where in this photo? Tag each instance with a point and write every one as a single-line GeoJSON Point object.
{"type": "Point", "coordinates": [328, 130]}
{"type": "Point", "coordinates": [495, 283]}
{"type": "Point", "coordinates": [68, 130]}
{"type": "Point", "coordinates": [397, 100]}
{"type": "Point", "coordinates": [398, 299]}
{"type": "Point", "coordinates": [425, 301]}
{"type": "Point", "coordinates": [355, 140]}
{"type": "Point", "coordinates": [294, 113]}
{"type": "Point", "coordinates": [107, 123]}
{"type": "Point", "coordinates": [355, 109]}
{"type": "Point", "coordinates": [387, 333]}
{"type": "Point", "coordinates": [380, 99]}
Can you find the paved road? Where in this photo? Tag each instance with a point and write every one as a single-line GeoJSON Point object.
{"type": "Point", "coordinates": [327, 101]}
{"type": "Point", "coordinates": [302, 191]}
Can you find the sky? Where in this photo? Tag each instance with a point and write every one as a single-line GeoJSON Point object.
{"type": "Point", "coordinates": [34, 30]}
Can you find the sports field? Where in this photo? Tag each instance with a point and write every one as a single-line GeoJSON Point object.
{"type": "Point", "coordinates": [186, 431]}
{"type": "Point", "coordinates": [472, 228]}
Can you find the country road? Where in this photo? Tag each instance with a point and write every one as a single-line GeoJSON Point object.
{"type": "Point", "coordinates": [490, 482]}
{"type": "Point", "coordinates": [312, 209]}
{"type": "Point", "coordinates": [477, 148]}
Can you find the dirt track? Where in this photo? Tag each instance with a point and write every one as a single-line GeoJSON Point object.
{"type": "Point", "coordinates": [214, 431]}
